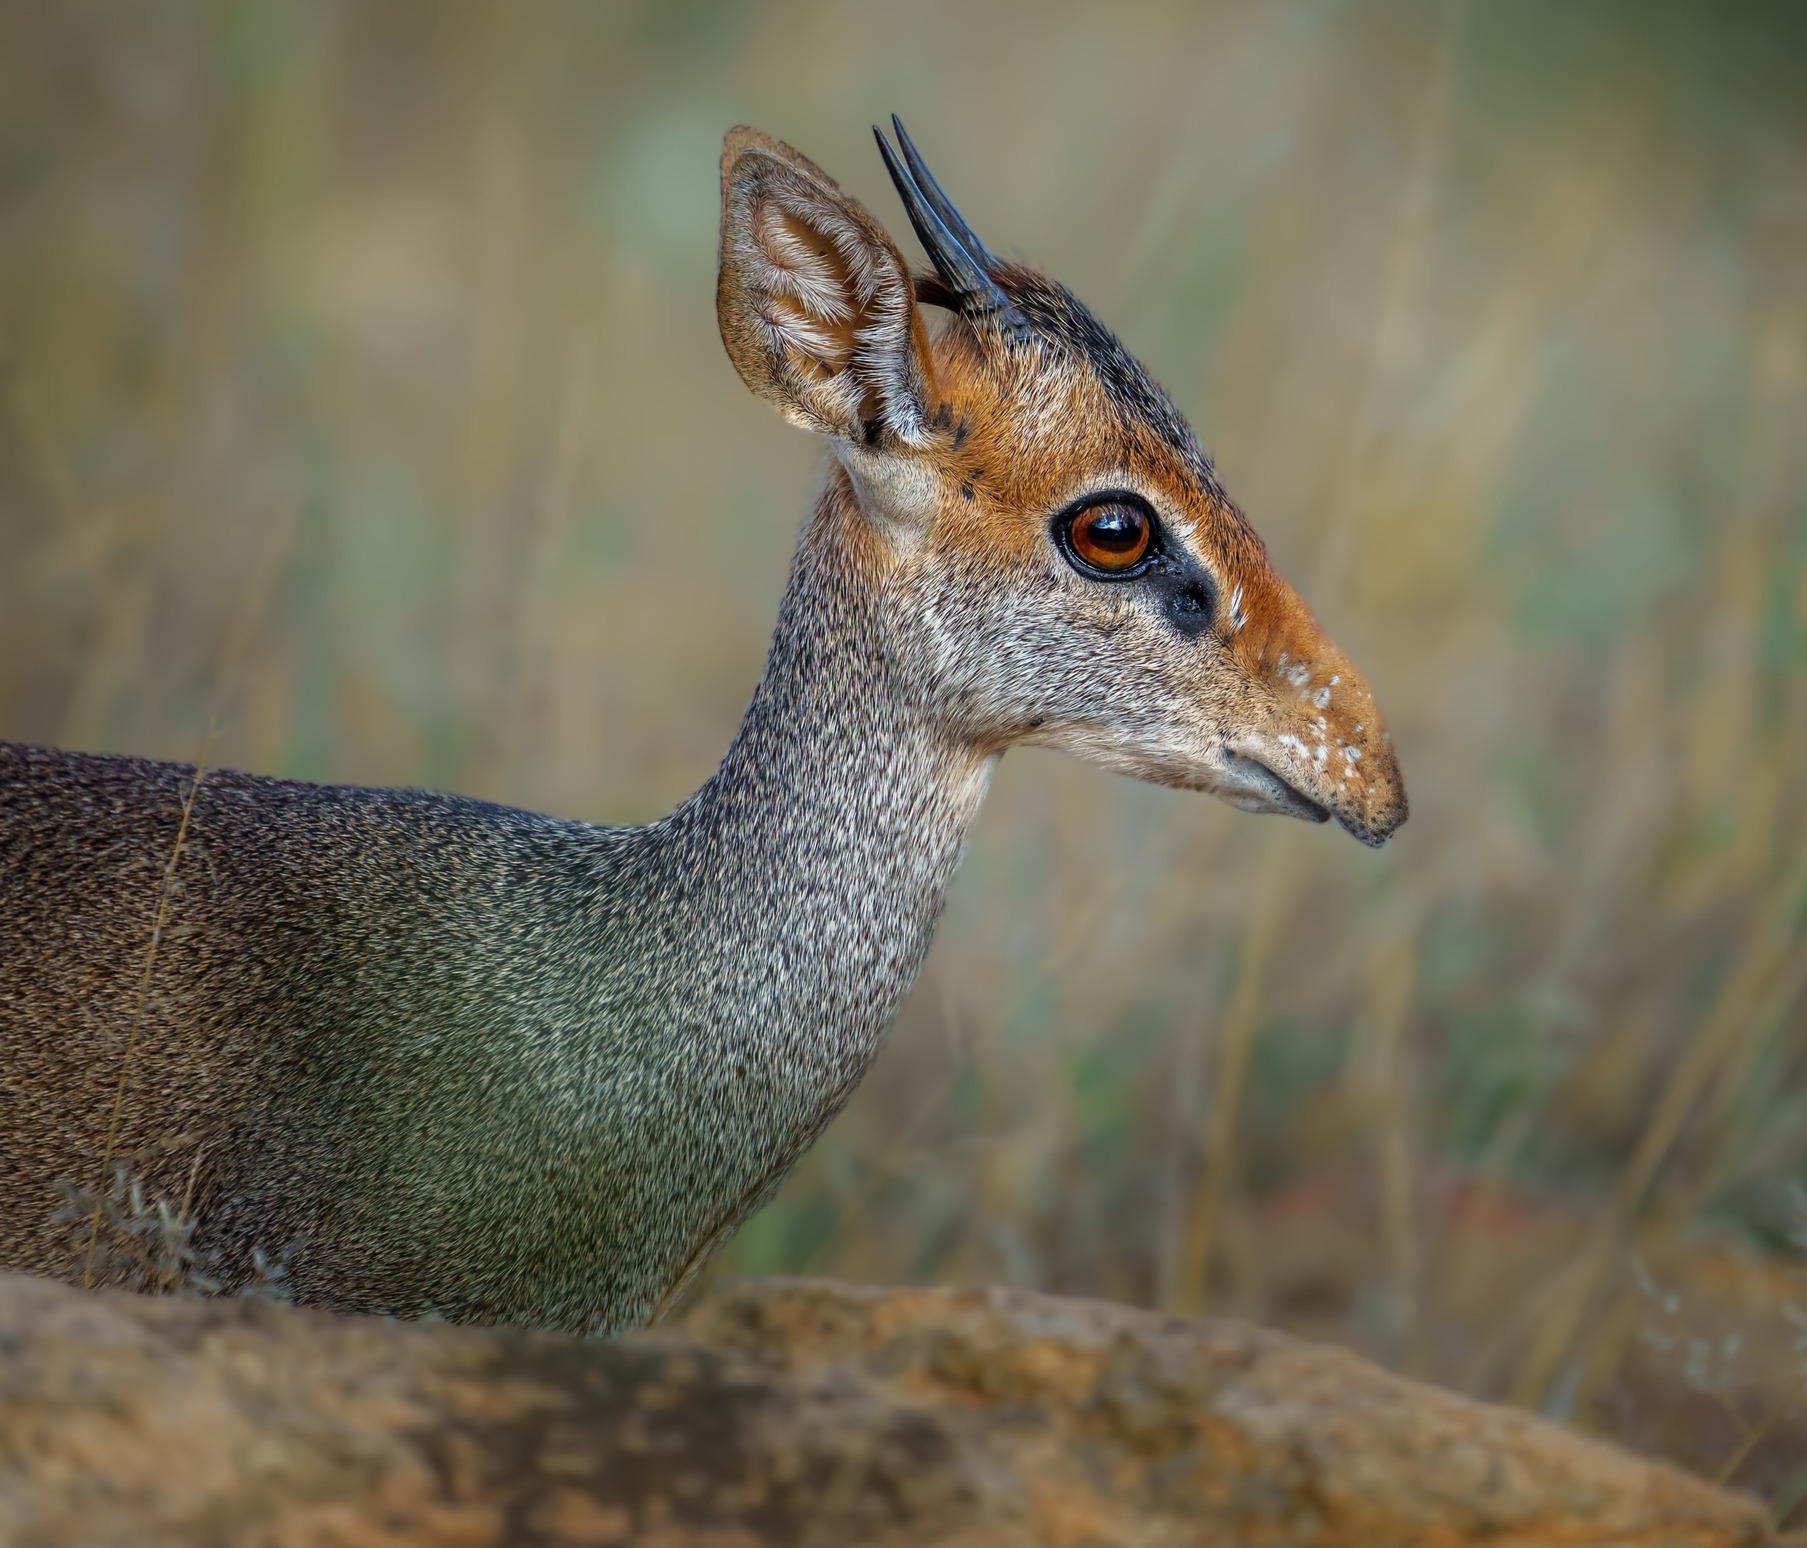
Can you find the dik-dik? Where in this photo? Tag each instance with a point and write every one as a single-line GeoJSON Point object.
{"type": "Point", "coordinates": [434, 1055]}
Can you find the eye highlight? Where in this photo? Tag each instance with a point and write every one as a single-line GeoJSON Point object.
{"type": "Point", "coordinates": [1108, 538]}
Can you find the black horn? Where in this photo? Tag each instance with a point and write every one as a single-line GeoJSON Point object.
{"type": "Point", "coordinates": [938, 200]}
{"type": "Point", "coordinates": [959, 256]}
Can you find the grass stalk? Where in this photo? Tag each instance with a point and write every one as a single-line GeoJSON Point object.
{"type": "Point", "coordinates": [159, 921]}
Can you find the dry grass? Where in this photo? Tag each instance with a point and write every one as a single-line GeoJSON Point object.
{"type": "Point", "coordinates": [361, 388]}
{"type": "Point", "coordinates": [180, 1220]}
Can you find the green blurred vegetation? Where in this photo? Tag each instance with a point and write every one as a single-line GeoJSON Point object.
{"type": "Point", "coordinates": [361, 393]}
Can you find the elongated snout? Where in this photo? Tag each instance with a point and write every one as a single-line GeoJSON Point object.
{"type": "Point", "coordinates": [1326, 743]}
{"type": "Point", "coordinates": [1314, 727]}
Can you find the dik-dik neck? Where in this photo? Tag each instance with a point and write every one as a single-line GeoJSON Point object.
{"type": "Point", "coordinates": [826, 840]}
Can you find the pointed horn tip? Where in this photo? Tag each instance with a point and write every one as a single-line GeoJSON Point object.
{"type": "Point", "coordinates": [907, 144]}
{"type": "Point", "coordinates": [952, 245]}
{"type": "Point", "coordinates": [893, 162]}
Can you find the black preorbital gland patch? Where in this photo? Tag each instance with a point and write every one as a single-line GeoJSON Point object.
{"type": "Point", "coordinates": [1184, 591]}
{"type": "Point", "coordinates": [1188, 612]}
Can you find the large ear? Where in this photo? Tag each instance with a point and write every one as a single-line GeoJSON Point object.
{"type": "Point", "coordinates": [816, 306]}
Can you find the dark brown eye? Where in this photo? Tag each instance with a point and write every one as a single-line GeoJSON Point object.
{"type": "Point", "coordinates": [1112, 537]}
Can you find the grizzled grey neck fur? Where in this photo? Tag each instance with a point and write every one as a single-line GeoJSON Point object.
{"type": "Point", "coordinates": [436, 1055]}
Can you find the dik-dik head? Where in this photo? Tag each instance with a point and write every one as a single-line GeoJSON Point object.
{"type": "Point", "coordinates": [1061, 564]}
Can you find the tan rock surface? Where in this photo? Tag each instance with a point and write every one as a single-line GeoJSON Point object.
{"type": "Point", "coordinates": [777, 1412]}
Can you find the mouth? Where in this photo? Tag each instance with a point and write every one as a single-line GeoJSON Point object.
{"type": "Point", "coordinates": [1254, 787]}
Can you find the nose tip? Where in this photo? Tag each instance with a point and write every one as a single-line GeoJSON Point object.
{"type": "Point", "coordinates": [1321, 730]}
{"type": "Point", "coordinates": [1329, 743]}
{"type": "Point", "coordinates": [1379, 822]}
{"type": "Point", "coordinates": [1381, 808]}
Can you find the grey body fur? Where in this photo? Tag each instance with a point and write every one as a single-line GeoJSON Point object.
{"type": "Point", "coordinates": [444, 1056]}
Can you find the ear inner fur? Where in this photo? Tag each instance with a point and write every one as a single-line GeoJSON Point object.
{"type": "Point", "coordinates": [816, 305]}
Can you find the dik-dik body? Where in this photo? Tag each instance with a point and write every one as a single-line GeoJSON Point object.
{"type": "Point", "coordinates": [433, 1054]}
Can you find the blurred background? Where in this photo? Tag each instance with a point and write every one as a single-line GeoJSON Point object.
{"type": "Point", "coordinates": [360, 397]}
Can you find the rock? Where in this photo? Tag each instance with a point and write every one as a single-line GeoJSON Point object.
{"type": "Point", "coordinates": [777, 1412]}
